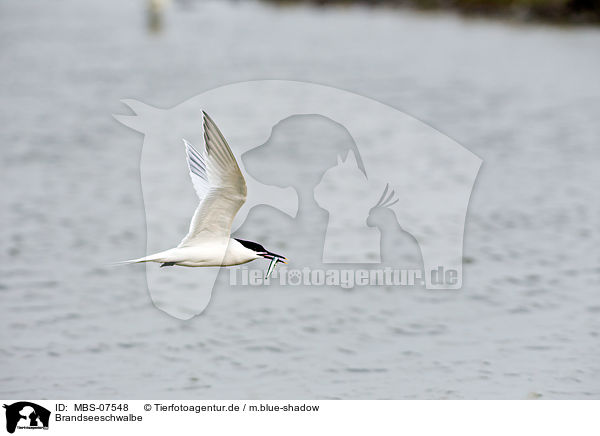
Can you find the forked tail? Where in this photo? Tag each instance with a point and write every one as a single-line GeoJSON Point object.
{"type": "Point", "coordinates": [151, 258]}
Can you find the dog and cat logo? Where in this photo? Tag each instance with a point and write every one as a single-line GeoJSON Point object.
{"type": "Point", "coordinates": [26, 415]}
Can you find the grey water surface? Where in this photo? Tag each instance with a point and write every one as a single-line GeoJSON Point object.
{"type": "Point", "coordinates": [524, 98]}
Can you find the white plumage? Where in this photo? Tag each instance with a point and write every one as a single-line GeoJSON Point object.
{"type": "Point", "coordinates": [221, 188]}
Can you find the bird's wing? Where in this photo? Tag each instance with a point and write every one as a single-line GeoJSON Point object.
{"type": "Point", "coordinates": [219, 184]}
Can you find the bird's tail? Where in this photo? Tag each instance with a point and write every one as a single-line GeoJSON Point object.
{"type": "Point", "coordinates": [151, 258]}
{"type": "Point", "coordinates": [127, 262]}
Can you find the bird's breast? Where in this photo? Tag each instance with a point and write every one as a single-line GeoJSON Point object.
{"type": "Point", "coordinates": [215, 253]}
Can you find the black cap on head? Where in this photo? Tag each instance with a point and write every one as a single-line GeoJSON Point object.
{"type": "Point", "coordinates": [257, 248]}
{"type": "Point", "coordinates": [254, 246]}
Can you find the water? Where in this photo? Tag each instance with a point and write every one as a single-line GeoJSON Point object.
{"type": "Point", "coordinates": [526, 99]}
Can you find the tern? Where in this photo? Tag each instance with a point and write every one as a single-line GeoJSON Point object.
{"type": "Point", "coordinates": [221, 187]}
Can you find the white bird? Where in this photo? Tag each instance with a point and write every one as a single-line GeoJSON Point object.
{"type": "Point", "coordinates": [221, 187]}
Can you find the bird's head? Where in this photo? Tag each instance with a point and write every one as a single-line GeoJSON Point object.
{"type": "Point", "coordinates": [261, 251]}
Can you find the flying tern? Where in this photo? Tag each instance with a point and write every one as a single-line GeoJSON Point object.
{"type": "Point", "coordinates": [221, 187]}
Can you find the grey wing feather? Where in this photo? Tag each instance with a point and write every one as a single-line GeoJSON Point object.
{"type": "Point", "coordinates": [219, 184]}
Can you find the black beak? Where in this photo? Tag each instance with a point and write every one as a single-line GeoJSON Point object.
{"type": "Point", "coordinates": [271, 256]}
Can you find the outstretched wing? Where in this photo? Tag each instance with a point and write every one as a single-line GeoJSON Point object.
{"type": "Point", "coordinates": [219, 184]}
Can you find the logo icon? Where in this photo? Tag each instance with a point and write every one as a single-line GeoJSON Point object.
{"type": "Point", "coordinates": [26, 415]}
{"type": "Point", "coordinates": [347, 179]}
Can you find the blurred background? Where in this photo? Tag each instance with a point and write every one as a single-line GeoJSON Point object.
{"type": "Point", "coordinates": [520, 90]}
